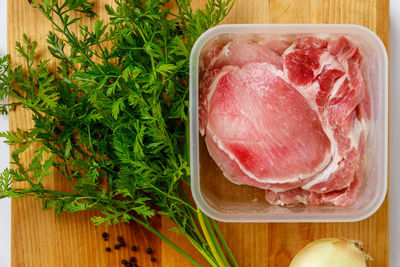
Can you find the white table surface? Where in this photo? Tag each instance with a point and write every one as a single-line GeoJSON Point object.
{"type": "Point", "coordinates": [394, 133]}
{"type": "Point", "coordinates": [5, 207]}
{"type": "Point", "coordinates": [5, 204]}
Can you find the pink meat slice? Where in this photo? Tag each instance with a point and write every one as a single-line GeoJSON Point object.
{"type": "Point", "coordinates": [207, 87]}
{"type": "Point", "coordinates": [350, 94]}
{"type": "Point", "coordinates": [353, 90]}
{"type": "Point", "coordinates": [302, 60]}
{"type": "Point", "coordinates": [241, 52]}
{"type": "Point", "coordinates": [340, 198]}
{"type": "Point", "coordinates": [343, 49]}
{"type": "Point", "coordinates": [342, 176]}
{"type": "Point", "coordinates": [349, 140]}
{"type": "Point", "coordinates": [232, 170]}
{"type": "Point", "coordinates": [308, 60]}
{"type": "Point", "coordinates": [310, 42]}
{"type": "Point", "coordinates": [341, 111]}
{"type": "Point", "coordinates": [346, 196]}
{"type": "Point", "coordinates": [253, 117]}
{"type": "Point", "coordinates": [292, 196]}
{"type": "Point", "coordinates": [363, 110]}
{"type": "Point", "coordinates": [207, 60]}
{"type": "Point", "coordinates": [339, 108]}
{"type": "Point", "coordinates": [326, 81]}
{"type": "Point", "coordinates": [302, 64]}
{"type": "Point", "coordinates": [275, 45]}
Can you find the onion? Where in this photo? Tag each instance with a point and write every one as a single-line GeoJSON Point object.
{"type": "Point", "coordinates": [327, 252]}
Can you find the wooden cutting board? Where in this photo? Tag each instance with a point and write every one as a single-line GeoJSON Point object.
{"type": "Point", "coordinates": [40, 239]}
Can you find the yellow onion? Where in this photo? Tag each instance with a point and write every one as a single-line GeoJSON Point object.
{"type": "Point", "coordinates": [335, 252]}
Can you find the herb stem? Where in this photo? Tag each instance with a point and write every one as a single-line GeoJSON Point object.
{"type": "Point", "coordinates": [224, 244]}
{"type": "Point", "coordinates": [194, 214]}
{"type": "Point", "coordinates": [66, 31]}
{"type": "Point", "coordinates": [147, 49]}
{"type": "Point", "coordinates": [209, 239]}
{"type": "Point", "coordinates": [215, 240]}
{"type": "Point", "coordinates": [174, 198]}
{"type": "Point", "coordinates": [201, 250]}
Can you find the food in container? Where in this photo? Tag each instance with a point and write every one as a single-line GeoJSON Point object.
{"type": "Point", "coordinates": [290, 119]}
{"type": "Point", "coordinates": [288, 113]}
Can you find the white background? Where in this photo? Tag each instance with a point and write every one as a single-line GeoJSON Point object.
{"type": "Point", "coordinates": [394, 133]}
{"type": "Point", "coordinates": [5, 210]}
{"type": "Point", "coordinates": [5, 204]}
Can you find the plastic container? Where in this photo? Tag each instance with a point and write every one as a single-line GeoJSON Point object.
{"type": "Point", "coordinates": [224, 201]}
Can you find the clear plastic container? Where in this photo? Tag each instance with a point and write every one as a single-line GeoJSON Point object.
{"type": "Point", "coordinates": [224, 201]}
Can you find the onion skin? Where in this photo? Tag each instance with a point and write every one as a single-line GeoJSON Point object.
{"type": "Point", "coordinates": [331, 252]}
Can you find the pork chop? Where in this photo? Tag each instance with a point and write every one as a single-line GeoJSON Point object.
{"type": "Point", "coordinates": [253, 116]}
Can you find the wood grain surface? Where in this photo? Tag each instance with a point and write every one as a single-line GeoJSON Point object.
{"type": "Point", "coordinates": [40, 239]}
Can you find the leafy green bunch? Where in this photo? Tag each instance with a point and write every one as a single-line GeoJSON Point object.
{"type": "Point", "coordinates": [112, 119]}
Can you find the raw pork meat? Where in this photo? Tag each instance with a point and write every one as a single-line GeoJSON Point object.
{"type": "Point", "coordinates": [240, 52]}
{"type": "Point", "coordinates": [289, 119]}
{"type": "Point", "coordinates": [253, 116]}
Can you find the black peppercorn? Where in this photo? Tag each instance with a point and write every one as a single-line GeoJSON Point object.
{"type": "Point", "coordinates": [108, 249]}
{"type": "Point", "coordinates": [134, 248]}
{"type": "Point", "coordinates": [119, 238]}
{"type": "Point", "coordinates": [149, 250]}
{"type": "Point", "coordinates": [116, 246]}
{"type": "Point", "coordinates": [134, 265]}
{"type": "Point", "coordinates": [153, 259]}
{"type": "Point", "coordinates": [132, 259]}
{"type": "Point", "coordinates": [104, 235]}
{"type": "Point", "coordinates": [122, 244]}
{"type": "Point", "coordinates": [130, 265]}
{"type": "Point", "coordinates": [124, 262]}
